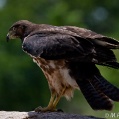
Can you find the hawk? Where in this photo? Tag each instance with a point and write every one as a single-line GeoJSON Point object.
{"type": "Point", "coordinates": [68, 56]}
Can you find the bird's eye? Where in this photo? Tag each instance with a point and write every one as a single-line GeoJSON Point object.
{"type": "Point", "coordinates": [14, 28]}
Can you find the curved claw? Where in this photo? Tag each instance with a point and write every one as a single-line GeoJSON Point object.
{"type": "Point", "coordinates": [45, 109]}
{"type": "Point", "coordinates": [52, 104]}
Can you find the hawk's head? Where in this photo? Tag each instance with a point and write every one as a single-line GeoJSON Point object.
{"type": "Point", "coordinates": [20, 30]}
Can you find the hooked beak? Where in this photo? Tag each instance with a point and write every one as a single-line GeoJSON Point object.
{"type": "Point", "coordinates": [7, 38]}
{"type": "Point", "coordinates": [10, 35]}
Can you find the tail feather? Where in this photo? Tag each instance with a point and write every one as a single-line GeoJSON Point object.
{"type": "Point", "coordinates": [96, 99]}
{"type": "Point", "coordinates": [98, 92]}
{"type": "Point", "coordinates": [106, 87]}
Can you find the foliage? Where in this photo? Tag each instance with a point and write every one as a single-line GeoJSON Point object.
{"type": "Point", "coordinates": [22, 84]}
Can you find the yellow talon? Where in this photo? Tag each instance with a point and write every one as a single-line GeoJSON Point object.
{"type": "Point", "coordinates": [52, 103]}
{"type": "Point", "coordinates": [45, 109]}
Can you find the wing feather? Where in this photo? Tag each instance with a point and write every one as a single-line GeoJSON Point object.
{"type": "Point", "coordinates": [73, 44]}
{"type": "Point", "coordinates": [56, 46]}
{"type": "Point", "coordinates": [97, 39]}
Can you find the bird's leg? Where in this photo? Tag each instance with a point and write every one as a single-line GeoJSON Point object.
{"type": "Point", "coordinates": [49, 107]}
{"type": "Point", "coordinates": [51, 100]}
{"type": "Point", "coordinates": [58, 98]}
{"type": "Point", "coordinates": [52, 103]}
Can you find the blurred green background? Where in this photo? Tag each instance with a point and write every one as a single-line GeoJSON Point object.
{"type": "Point", "coordinates": [22, 84]}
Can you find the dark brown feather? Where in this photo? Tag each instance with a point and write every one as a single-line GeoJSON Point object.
{"type": "Point", "coordinates": [79, 50]}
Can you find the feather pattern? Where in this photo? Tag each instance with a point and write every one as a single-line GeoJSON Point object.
{"type": "Point", "coordinates": [68, 56]}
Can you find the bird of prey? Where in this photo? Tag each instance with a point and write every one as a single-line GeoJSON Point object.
{"type": "Point", "coordinates": [68, 56]}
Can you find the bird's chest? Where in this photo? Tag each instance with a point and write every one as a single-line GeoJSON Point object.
{"type": "Point", "coordinates": [56, 73]}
